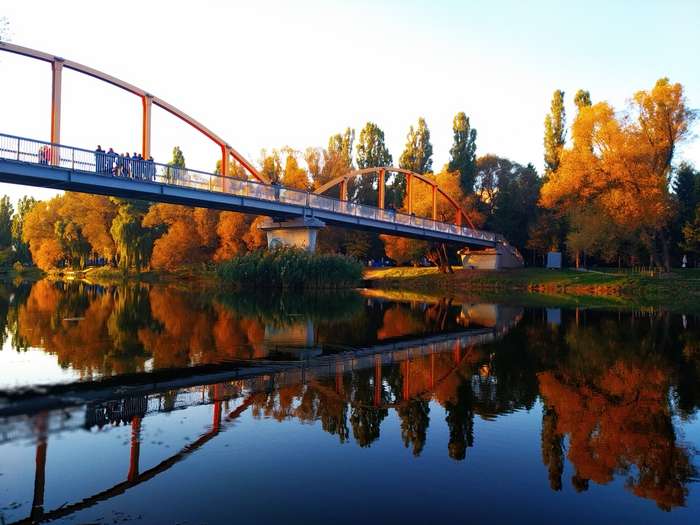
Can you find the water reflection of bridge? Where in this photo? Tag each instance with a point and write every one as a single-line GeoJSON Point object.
{"type": "Point", "coordinates": [231, 393]}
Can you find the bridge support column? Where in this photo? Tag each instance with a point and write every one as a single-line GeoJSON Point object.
{"type": "Point", "coordinates": [300, 233]}
{"type": "Point", "coordinates": [56, 76]}
{"type": "Point", "coordinates": [147, 101]}
{"type": "Point", "coordinates": [344, 190]}
{"type": "Point", "coordinates": [382, 189]}
{"type": "Point", "coordinates": [409, 193]}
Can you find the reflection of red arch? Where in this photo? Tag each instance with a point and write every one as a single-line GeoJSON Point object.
{"type": "Point", "coordinates": [57, 65]}
{"type": "Point", "coordinates": [342, 181]}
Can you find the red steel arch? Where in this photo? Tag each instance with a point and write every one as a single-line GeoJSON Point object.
{"type": "Point", "coordinates": [148, 100]}
{"type": "Point", "coordinates": [343, 180]}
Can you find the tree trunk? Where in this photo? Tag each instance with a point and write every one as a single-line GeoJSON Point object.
{"type": "Point", "coordinates": [447, 259]}
{"type": "Point", "coordinates": [666, 252]}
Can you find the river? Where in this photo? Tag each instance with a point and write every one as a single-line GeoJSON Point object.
{"type": "Point", "coordinates": [182, 403]}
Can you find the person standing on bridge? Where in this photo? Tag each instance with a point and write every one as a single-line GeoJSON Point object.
{"type": "Point", "coordinates": [100, 164]}
{"type": "Point", "coordinates": [277, 187]}
{"type": "Point", "coordinates": [151, 169]}
{"type": "Point", "coordinates": [126, 166]}
{"type": "Point", "coordinates": [138, 165]}
{"type": "Point", "coordinates": [111, 162]}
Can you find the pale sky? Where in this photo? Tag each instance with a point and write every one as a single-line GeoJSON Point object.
{"type": "Point", "coordinates": [265, 74]}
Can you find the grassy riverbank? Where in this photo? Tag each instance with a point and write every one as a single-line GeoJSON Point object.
{"type": "Point", "coordinates": [677, 290]}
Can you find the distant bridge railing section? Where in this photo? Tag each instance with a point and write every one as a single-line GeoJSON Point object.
{"type": "Point", "coordinates": [59, 156]}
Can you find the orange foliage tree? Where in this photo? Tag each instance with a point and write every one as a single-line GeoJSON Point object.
{"type": "Point", "coordinates": [619, 165]}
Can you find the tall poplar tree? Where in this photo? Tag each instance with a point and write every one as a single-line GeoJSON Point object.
{"type": "Point", "coordinates": [371, 149]}
{"type": "Point", "coordinates": [554, 133]}
{"type": "Point", "coordinates": [463, 152]}
{"type": "Point", "coordinates": [6, 212]}
{"type": "Point", "coordinates": [418, 153]}
{"type": "Point", "coordinates": [371, 153]}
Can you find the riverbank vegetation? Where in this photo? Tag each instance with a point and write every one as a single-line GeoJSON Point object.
{"type": "Point", "coordinates": [289, 268]}
{"type": "Point", "coordinates": [679, 289]}
{"type": "Point", "coordinates": [612, 194]}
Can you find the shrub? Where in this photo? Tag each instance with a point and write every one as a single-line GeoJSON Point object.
{"type": "Point", "coordinates": [290, 268]}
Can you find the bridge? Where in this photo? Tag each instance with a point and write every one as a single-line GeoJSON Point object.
{"type": "Point", "coordinates": [296, 215]}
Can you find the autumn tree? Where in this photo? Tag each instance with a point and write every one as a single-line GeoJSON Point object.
{"type": "Point", "coordinates": [181, 242]}
{"type": "Point", "coordinates": [294, 176]}
{"type": "Point", "coordinates": [625, 171]}
{"type": "Point", "coordinates": [271, 166]}
{"type": "Point", "coordinates": [463, 152]}
{"type": "Point", "coordinates": [336, 158]}
{"type": "Point", "coordinates": [313, 157]}
{"type": "Point", "coordinates": [231, 229]}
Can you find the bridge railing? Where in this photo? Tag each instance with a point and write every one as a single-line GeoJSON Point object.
{"type": "Point", "coordinates": [112, 165]}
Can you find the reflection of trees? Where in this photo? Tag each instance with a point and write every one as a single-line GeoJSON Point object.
{"type": "Point", "coordinates": [460, 422]}
{"type": "Point", "coordinates": [552, 448]}
{"type": "Point", "coordinates": [609, 394]}
{"type": "Point", "coordinates": [605, 380]}
{"type": "Point", "coordinates": [415, 419]}
{"type": "Point", "coordinates": [365, 418]}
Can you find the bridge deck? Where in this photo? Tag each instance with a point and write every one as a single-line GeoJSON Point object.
{"type": "Point", "coordinates": [36, 163]}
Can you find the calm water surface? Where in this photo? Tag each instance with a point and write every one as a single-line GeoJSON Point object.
{"type": "Point", "coordinates": [168, 404]}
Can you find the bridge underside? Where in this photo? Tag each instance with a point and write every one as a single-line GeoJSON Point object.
{"type": "Point", "coordinates": [27, 174]}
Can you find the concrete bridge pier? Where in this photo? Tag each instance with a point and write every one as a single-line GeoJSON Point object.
{"type": "Point", "coordinates": [300, 233]}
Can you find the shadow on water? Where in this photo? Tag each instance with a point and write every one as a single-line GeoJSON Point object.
{"type": "Point", "coordinates": [610, 392]}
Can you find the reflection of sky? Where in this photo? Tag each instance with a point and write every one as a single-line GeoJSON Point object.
{"type": "Point", "coordinates": [31, 367]}
{"type": "Point", "coordinates": [263, 471]}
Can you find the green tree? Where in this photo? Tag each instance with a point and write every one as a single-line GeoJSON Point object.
{"type": "Point", "coordinates": [6, 212]}
{"type": "Point", "coordinates": [515, 204]}
{"type": "Point", "coordinates": [177, 163]}
{"type": "Point", "coordinates": [73, 243]}
{"type": "Point", "coordinates": [371, 153]}
{"type": "Point", "coordinates": [416, 156]}
{"type": "Point", "coordinates": [24, 206]}
{"type": "Point", "coordinates": [418, 153]}
{"type": "Point", "coordinates": [582, 99]}
{"type": "Point", "coordinates": [554, 133]}
{"type": "Point", "coordinates": [371, 149]}
{"type": "Point", "coordinates": [463, 152]}
{"type": "Point", "coordinates": [341, 145]}
{"type": "Point", "coordinates": [685, 188]}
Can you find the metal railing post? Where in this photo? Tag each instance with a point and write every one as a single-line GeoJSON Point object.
{"type": "Point", "coordinates": [18, 148]}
